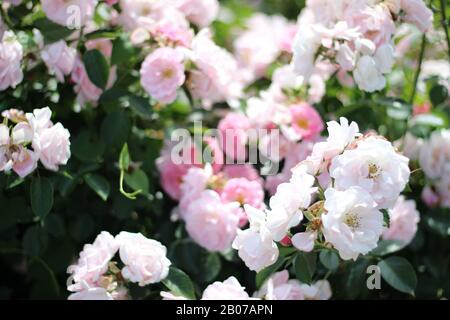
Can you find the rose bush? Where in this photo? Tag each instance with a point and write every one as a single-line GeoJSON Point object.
{"type": "Point", "coordinates": [197, 149]}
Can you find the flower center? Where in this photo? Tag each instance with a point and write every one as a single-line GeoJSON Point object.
{"type": "Point", "coordinates": [352, 220]}
{"type": "Point", "coordinates": [374, 170]}
{"type": "Point", "coordinates": [302, 123]}
{"type": "Point", "coordinates": [167, 73]}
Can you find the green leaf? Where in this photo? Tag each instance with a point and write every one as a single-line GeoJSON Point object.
{"type": "Point", "coordinates": [34, 241]}
{"type": "Point", "coordinates": [140, 107]}
{"type": "Point", "coordinates": [86, 148]}
{"type": "Point", "coordinates": [115, 128]}
{"type": "Point", "coordinates": [122, 51]}
{"type": "Point", "coordinates": [329, 259]}
{"type": "Point", "coordinates": [97, 68]}
{"type": "Point", "coordinates": [305, 266]}
{"type": "Point", "coordinates": [41, 196]}
{"type": "Point", "coordinates": [51, 31]}
{"type": "Point", "coordinates": [99, 184]}
{"type": "Point", "coordinates": [265, 273]}
{"type": "Point", "coordinates": [54, 225]}
{"type": "Point", "coordinates": [101, 34]}
{"type": "Point", "coordinates": [438, 94]}
{"type": "Point", "coordinates": [433, 119]}
{"type": "Point", "coordinates": [124, 158]}
{"type": "Point", "coordinates": [137, 180]}
{"type": "Point", "coordinates": [399, 273]}
{"type": "Point", "coordinates": [386, 247]}
{"type": "Point", "coordinates": [179, 283]}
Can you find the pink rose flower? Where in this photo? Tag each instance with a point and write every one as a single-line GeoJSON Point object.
{"type": "Point", "coordinates": [306, 121]}
{"type": "Point", "coordinates": [233, 129]}
{"type": "Point", "coordinates": [144, 259]}
{"type": "Point", "coordinates": [95, 293]}
{"type": "Point", "coordinates": [162, 73]}
{"type": "Point", "coordinates": [199, 12]}
{"type": "Point", "coordinates": [69, 13]}
{"type": "Point", "coordinates": [59, 59]}
{"type": "Point", "coordinates": [404, 218]}
{"type": "Point", "coordinates": [243, 191]}
{"type": "Point", "coordinates": [195, 181]}
{"type": "Point", "coordinates": [230, 289]}
{"type": "Point", "coordinates": [246, 171]}
{"type": "Point", "coordinates": [11, 54]}
{"type": "Point", "coordinates": [279, 287]}
{"type": "Point", "coordinates": [93, 262]}
{"type": "Point", "coordinates": [211, 223]}
{"type": "Point", "coordinates": [52, 145]}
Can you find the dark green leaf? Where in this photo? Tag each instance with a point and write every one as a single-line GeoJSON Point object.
{"type": "Point", "coordinates": [387, 247]}
{"type": "Point", "coordinates": [99, 184]}
{"type": "Point", "coordinates": [438, 94]}
{"type": "Point", "coordinates": [305, 266]}
{"type": "Point", "coordinates": [51, 31]}
{"type": "Point", "coordinates": [41, 196]}
{"type": "Point", "coordinates": [137, 180]}
{"type": "Point", "coordinates": [97, 68]}
{"type": "Point", "coordinates": [115, 128]}
{"type": "Point", "coordinates": [329, 259]}
{"type": "Point", "coordinates": [122, 51]}
{"type": "Point", "coordinates": [265, 273]}
{"type": "Point", "coordinates": [179, 283]}
{"type": "Point", "coordinates": [34, 241]}
{"type": "Point", "coordinates": [399, 273]}
{"type": "Point", "coordinates": [140, 107]}
{"type": "Point", "coordinates": [124, 158]}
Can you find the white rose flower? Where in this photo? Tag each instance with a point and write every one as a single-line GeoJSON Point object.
{"type": "Point", "coordinates": [320, 290]}
{"type": "Point", "coordinates": [352, 224]}
{"type": "Point", "coordinates": [255, 244]}
{"type": "Point", "coordinates": [144, 259]}
{"type": "Point", "coordinates": [435, 154]}
{"type": "Point", "coordinates": [375, 166]}
{"type": "Point", "coordinates": [287, 203]}
{"type": "Point", "coordinates": [230, 289]}
{"type": "Point", "coordinates": [384, 57]}
{"type": "Point", "coordinates": [367, 75]}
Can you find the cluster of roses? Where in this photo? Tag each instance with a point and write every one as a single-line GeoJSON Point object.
{"type": "Point", "coordinates": [341, 189]}
{"type": "Point", "coordinates": [277, 287]}
{"type": "Point", "coordinates": [96, 276]}
{"type": "Point", "coordinates": [433, 156]}
{"type": "Point", "coordinates": [354, 37]}
{"type": "Point", "coordinates": [49, 142]}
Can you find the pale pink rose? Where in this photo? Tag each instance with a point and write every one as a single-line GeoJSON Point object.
{"type": "Point", "coordinates": [306, 120]}
{"type": "Point", "coordinates": [234, 133]}
{"type": "Point", "coordinates": [103, 45]}
{"type": "Point", "coordinates": [243, 191]}
{"type": "Point", "coordinates": [320, 290]}
{"type": "Point", "coordinates": [69, 13]}
{"type": "Point", "coordinates": [144, 259]}
{"type": "Point", "coordinates": [417, 13]}
{"type": "Point", "coordinates": [59, 59]}
{"type": "Point", "coordinates": [288, 38]}
{"type": "Point", "coordinates": [279, 287]}
{"type": "Point", "coordinates": [246, 171]}
{"type": "Point", "coordinates": [4, 135]}
{"type": "Point", "coordinates": [94, 293]}
{"type": "Point", "coordinates": [52, 145]}
{"type": "Point", "coordinates": [211, 223]}
{"type": "Point", "coordinates": [229, 289]}
{"type": "Point", "coordinates": [11, 54]}
{"type": "Point", "coordinates": [162, 73]}
{"type": "Point", "coordinates": [404, 218]}
{"type": "Point", "coordinates": [86, 90]}
{"type": "Point", "coordinates": [304, 241]}
{"type": "Point", "coordinates": [375, 22]}
{"type": "Point", "coordinates": [199, 12]}
{"type": "Point", "coordinates": [218, 76]}
{"type": "Point", "coordinates": [93, 262]}
{"type": "Point", "coordinates": [195, 181]}
{"type": "Point", "coordinates": [429, 197]}
{"type": "Point", "coordinates": [167, 31]}
{"type": "Point", "coordinates": [39, 119]}
{"type": "Point", "coordinates": [24, 161]}
{"type": "Point", "coordinates": [22, 133]}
